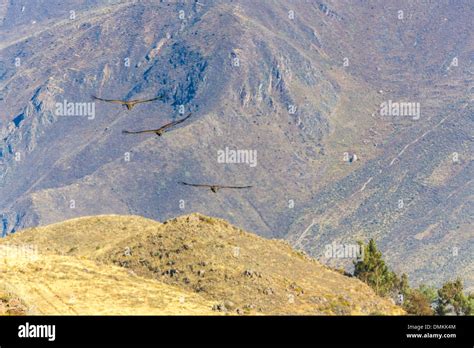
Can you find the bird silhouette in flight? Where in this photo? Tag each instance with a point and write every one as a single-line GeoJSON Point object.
{"type": "Point", "coordinates": [129, 104]}
{"type": "Point", "coordinates": [214, 188]}
{"type": "Point", "coordinates": [160, 130]}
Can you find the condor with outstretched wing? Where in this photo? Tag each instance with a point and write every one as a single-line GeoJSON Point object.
{"type": "Point", "coordinates": [214, 188]}
{"type": "Point", "coordinates": [160, 130]}
{"type": "Point", "coordinates": [128, 103]}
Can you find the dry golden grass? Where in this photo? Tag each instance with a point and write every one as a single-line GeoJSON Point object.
{"type": "Point", "coordinates": [189, 265]}
{"type": "Point", "coordinates": [67, 285]}
{"type": "Point", "coordinates": [11, 305]}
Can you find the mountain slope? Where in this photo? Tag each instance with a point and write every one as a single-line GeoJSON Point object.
{"type": "Point", "coordinates": [136, 262]}
{"type": "Point", "coordinates": [62, 285]}
{"type": "Point", "coordinates": [56, 283]}
{"type": "Point", "coordinates": [299, 82]}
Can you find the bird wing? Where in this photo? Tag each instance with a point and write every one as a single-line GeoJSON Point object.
{"type": "Point", "coordinates": [110, 100]}
{"type": "Point", "coordinates": [217, 186]}
{"type": "Point", "coordinates": [145, 100]}
{"type": "Point", "coordinates": [159, 129]}
{"type": "Point", "coordinates": [174, 123]}
{"type": "Point", "coordinates": [195, 185]}
{"type": "Point", "coordinates": [234, 187]}
{"type": "Point", "coordinates": [139, 132]}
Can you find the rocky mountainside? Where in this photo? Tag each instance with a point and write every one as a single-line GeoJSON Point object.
{"type": "Point", "coordinates": [190, 265]}
{"type": "Point", "coordinates": [301, 83]}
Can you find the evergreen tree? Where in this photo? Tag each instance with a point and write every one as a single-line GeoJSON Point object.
{"type": "Point", "coordinates": [371, 269]}
{"type": "Point", "coordinates": [417, 303]}
{"type": "Point", "coordinates": [401, 286]}
{"type": "Point", "coordinates": [452, 299]}
{"type": "Point", "coordinates": [429, 292]}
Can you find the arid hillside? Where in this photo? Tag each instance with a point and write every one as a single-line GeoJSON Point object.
{"type": "Point", "coordinates": [300, 84]}
{"type": "Point", "coordinates": [190, 265]}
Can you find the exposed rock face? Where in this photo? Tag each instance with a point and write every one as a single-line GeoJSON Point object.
{"type": "Point", "coordinates": [299, 82]}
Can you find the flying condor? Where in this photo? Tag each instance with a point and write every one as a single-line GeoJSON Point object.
{"type": "Point", "coordinates": [130, 104]}
{"type": "Point", "coordinates": [214, 188]}
{"type": "Point", "coordinates": [160, 130]}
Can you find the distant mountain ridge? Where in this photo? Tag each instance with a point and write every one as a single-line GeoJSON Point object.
{"type": "Point", "coordinates": [301, 83]}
